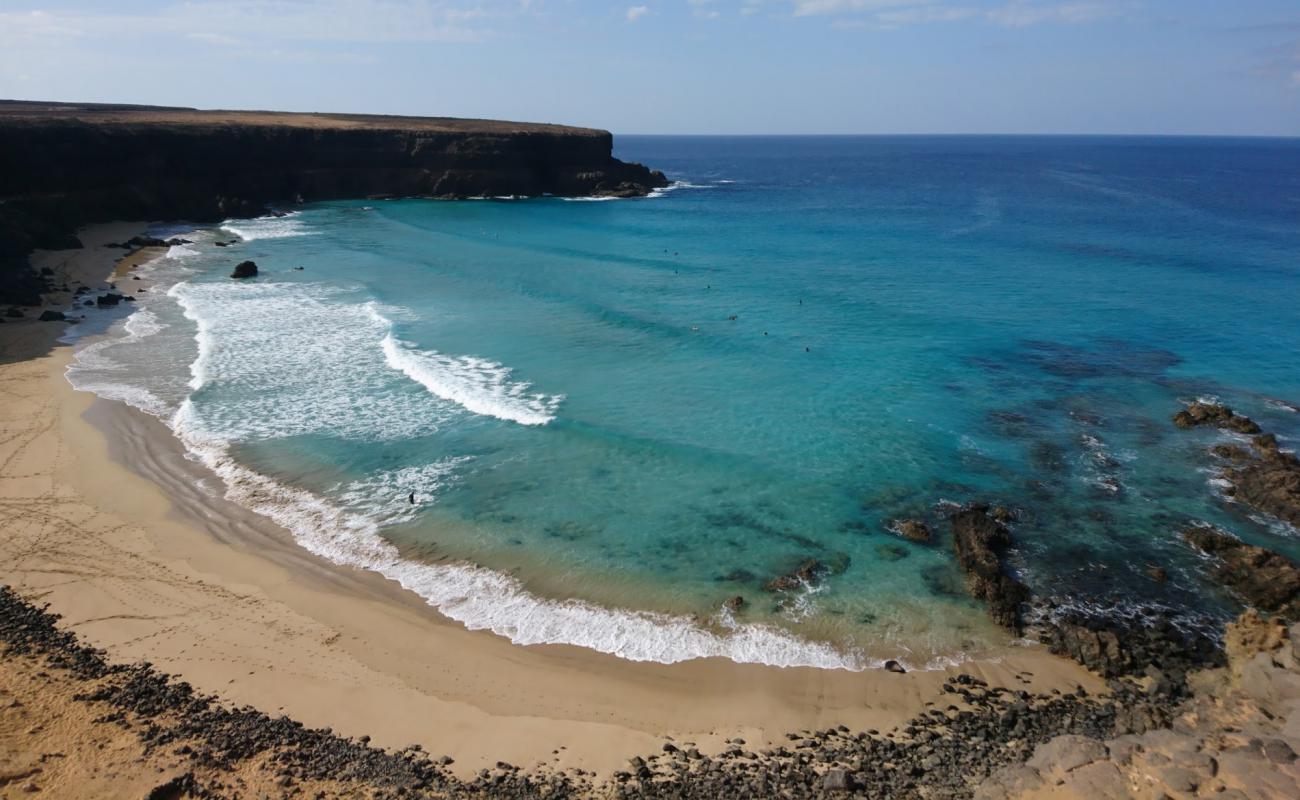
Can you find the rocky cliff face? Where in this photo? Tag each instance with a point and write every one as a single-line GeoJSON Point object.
{"type": "Point", "coordinates": [63, 166]}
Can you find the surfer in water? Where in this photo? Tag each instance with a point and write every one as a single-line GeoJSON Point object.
{"type": "Point", "coordinates": [411, 498]}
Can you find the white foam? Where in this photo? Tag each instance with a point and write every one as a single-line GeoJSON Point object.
{"type": "Point", "coordinates": [284, 227]}
{"type": "Point", "coordinates": [476, 384]}
{"type": "Point", "coordinates": [298, 358]}
{"type": "Point", "coordinates": [382, 496]}
{"type": "Point", "coordinates": [140, 325]}
{"type": "Point", "coordinates": [203, 334]}
{"type": "Point", "coordinates": [674, 186]}
{"type": "Point", "coordinates": [482, 599]}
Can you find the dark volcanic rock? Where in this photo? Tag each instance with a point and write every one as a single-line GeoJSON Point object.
{"type": "Point", "coordinates": [806, 573]}
{"type": "Point", "coordinates": [1270, 482]}
{"type": "Point", "coordinates": [980, 542]}
{"type": "Point", "coordinates": [913, 530]}
{"type": "Point", "coordinates": [1115, 639]}
{"type": "Point", "coordinates": [52, 316]}
{"type": "Point", "coordinates": [1264, 477]}
{"type": "Point", "coordinates": [245, 269]}
{"type": "Point", "coordinates": [1216, 414]}
{"type": "Point", "coordinates": [109, 299]}
{"type": "Point", "coordinates": [1266, 580]}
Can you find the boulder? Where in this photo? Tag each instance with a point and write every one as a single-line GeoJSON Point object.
{"type": "Point", "coordinates": [52, 316]}
{"type": "Point", "coordinates": [108, 299]}
{"type": "Point", "coordinates": [734, 603]}
{"type": "Point", "coordinates": [245, 269]}
{"type": "Point", "coordinates": [836, 780]}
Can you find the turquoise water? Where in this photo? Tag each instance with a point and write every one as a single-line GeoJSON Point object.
{"type": "Point", "coordinates": [616, 415]}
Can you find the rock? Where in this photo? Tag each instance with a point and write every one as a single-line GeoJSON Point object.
{"type": "Point", "coordinates": [1278, 752]}
{"type": "Point", "coordinates": [52, 316]}
{"type": "Point", "coordinates": [893, 666]}
{"type": "Point", "coordinates": [1066, 753]}
{"type": "Point", "coordinates": [1251, 634]}
{"type": "Point", "coordinates": [1157, 573]}
{"type": "Point", "coordinates": [108, 299]}
{"type": "Point", "coordinates": [889, 551]}
{"type": "Point", "coordinates": [735, 603]}
{"type": "Point", "coordinates": [1216, 414]}
{"type": "Point", "coordinates": [15, 313]}
{"type": "Point", "coordinates": [980, 542]}
{"type": "Point", "coordinates": [913, 530]}
{"type": "Point", "coordinates": [803, 575]}
{"type": "Point", "coordinates": [245, 269]}
{"type": "Point", "coordinates": [836, 780]}
{"type": "Point", "coordinates": [1269, 482]}
{"type": "Point", "coordinates": [1265, 579]}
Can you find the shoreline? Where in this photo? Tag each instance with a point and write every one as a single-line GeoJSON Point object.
{"type": "Point", "coordinates": [158, 570]}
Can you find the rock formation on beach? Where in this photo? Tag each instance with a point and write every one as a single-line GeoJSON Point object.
{"type": "Point", "coordinates": [66, 165]}
{"type": "Point", "coordinates": [980, 541]}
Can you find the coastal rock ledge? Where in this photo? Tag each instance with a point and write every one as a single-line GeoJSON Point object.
{"type": "Point", "coordinates": [66, 165]}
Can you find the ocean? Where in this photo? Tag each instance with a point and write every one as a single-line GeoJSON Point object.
{"type": "Point", "coordinates": [615, 416]}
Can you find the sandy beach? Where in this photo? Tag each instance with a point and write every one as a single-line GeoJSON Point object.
{"type": "Point", "coordinates": [103, 519]}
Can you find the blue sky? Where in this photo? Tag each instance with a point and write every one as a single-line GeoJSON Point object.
{"type": "Point", "coordinates": [685, 66]}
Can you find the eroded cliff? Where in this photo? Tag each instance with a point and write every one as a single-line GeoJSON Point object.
{"type": "Point", "coordinates": [66, 165]}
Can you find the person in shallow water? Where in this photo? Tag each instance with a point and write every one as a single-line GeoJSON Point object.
{"type": "Point", "coordinates": [411, 498]}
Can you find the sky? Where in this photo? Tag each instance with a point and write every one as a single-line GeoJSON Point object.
{"type": "Point", "coordinates": [685, 66]}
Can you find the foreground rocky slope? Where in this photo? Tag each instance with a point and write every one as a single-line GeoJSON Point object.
{"type": "Point", "coordinates": [75, 723]}
{"type": "Point", "coordinates": [63, 166]}
{"type": "Point", "coordinates": [1234, 738]}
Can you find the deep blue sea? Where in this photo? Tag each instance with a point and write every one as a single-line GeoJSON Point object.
{"type": "Point", "coordinates": [615, 415]}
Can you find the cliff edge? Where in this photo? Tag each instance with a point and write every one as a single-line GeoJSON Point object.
{"type": "Point", "coordinates": [65, 165]}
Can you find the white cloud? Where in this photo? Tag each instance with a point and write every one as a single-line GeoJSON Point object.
{"type": "Point", "coordinates": [809, 8]}
{"type": "Point", "coordinates": [635, 13]}
{"type": "Point", "coordinates": [1012, 13]}
{"type": "Point", "coordinates": [1022, 13]}
{"type": "Point", "coordinates": [228, 21]}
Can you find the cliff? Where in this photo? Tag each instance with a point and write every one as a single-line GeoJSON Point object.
{"type": "Point", "coordinates": [67, 165]}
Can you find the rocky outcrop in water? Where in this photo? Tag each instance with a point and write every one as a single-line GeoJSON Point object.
{"type": "Point", "coordinates": [1263, 578]}
{"type": "Point", "coordinates": [245, 269]}
{"type": "Point", "coordinates": [804, 575]}
{"type": "Point", "coordinates": [1262, 476]}
{"type": "Point", "coordinates": [63, 166]}
{"type": "Point", "coordinates": [1216, 414]}
{"type": "Point", "coordinates": [913, 530]}
{"type": "Point", "coordinates": [1117, 639]}
{"type": "Point", "coordinates": [1268, 480]}
{"type": "Point", "coordinates": [980, 541]}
